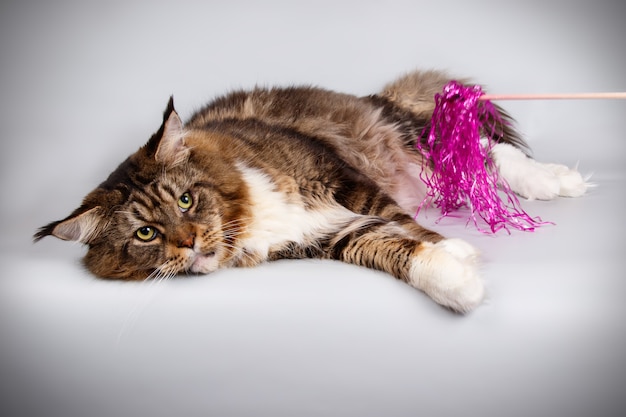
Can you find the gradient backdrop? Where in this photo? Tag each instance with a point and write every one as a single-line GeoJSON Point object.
{"type": "Point", "coordinates": [84, 83]}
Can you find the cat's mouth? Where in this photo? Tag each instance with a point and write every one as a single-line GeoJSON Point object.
{"type": "Point", "coordinates": [203, 263]}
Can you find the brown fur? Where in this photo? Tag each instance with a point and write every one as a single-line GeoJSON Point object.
{"type": "Point", "coordinates": [322, 151]}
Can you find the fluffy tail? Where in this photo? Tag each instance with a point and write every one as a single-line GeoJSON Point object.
{"type": "Point", "coordinates": [415, 92]}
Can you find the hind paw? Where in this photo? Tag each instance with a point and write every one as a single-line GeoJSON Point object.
{"type": "Point", "coordinates": [535, 180]}
{"type": "Point", "coordinates": [571, 182]}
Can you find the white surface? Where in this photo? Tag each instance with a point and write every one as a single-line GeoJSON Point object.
{"type": "Point", "coordinates": [84, 84]}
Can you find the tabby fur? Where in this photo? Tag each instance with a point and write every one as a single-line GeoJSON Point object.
{"type": "Point", "coordinates": [278, 173]}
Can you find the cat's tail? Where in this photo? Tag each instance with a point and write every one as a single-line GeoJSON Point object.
{"type": "Point", "coordinates": [415, 92]}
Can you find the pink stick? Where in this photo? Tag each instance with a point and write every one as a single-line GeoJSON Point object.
{"type": "Point", "coordinates": [567, 96]}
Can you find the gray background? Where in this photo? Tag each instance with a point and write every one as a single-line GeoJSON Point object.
{"type": "Point", "coordinates": [83, 84]}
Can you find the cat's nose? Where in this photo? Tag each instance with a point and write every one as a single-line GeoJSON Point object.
{"type": "Point", "coordinates": [187, 241]}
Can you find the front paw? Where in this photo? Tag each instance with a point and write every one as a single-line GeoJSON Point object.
{"type": "Point", "coordinates": [447, 272]}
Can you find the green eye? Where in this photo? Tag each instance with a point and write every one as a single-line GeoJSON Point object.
{"type": "Point", "coordinates": [146, 233]}
{"type": "Point", "coordinates": [185, 201]}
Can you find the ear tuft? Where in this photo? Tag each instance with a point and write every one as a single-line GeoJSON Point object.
{"type": "Point", "coordinates": [81, 227]}
{"type": "Point", "coordinates": [171, 150]}
{"type": "Point", "coordinates": [169, 109]}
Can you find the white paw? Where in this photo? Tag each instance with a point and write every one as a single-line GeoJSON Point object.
{"type": "Point", "coordinates": [571, 183]}
{"type": "Point", "coordinates": [447, 272]}
{"type": "Point", "coordinates": [535, 180]}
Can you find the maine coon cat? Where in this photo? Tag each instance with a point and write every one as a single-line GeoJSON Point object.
{"type": "Point", "coordinates": [295, 172]}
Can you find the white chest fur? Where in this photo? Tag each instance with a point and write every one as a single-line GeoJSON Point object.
{"type": "Point", "coordinates": [277, 221]}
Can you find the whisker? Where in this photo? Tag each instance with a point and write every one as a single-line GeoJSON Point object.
{"type": "Point", "coordinates": [241, 221]}
{"type": "Point", "coordinates": [168, 269]}
{"type": "Point", "coordinates": [238, 253]}
{"type": "Point", "coordinates": [144, 299]}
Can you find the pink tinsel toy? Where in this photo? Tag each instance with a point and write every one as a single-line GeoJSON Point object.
{"type": "Point", "coordinates": [462, 173]}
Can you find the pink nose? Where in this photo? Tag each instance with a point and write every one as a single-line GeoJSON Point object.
{"type": "Point", "coordinates": [186, 242]}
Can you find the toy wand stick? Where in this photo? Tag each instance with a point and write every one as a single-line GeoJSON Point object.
{"type": "Point", "coordinates": [566, 96]}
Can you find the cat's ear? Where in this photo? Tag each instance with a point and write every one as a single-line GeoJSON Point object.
{"type": "Point", "coordinates": [171, 149]}
{"type": "Point", "coordinates": [81, 226]}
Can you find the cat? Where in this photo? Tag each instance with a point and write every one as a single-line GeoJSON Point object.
{"type": "Point", "coordinates": [296, 172]}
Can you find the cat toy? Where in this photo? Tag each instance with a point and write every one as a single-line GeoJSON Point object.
{"type": "Point", "coordinates": [463, 174]}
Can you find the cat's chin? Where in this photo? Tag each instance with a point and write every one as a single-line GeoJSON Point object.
{"type": "Point", "coordinates": [203, 264]}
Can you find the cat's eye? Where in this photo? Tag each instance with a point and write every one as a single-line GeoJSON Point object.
{"type": "Point", "coordinates": [185, 201]}
{"type": "Point", "coordinates": [146, 233]}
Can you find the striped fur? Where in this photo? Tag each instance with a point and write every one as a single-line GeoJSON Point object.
{"type": "Point", "coordinates": [274, 174]}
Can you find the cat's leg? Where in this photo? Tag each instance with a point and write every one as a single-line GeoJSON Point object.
{"type": "Point", "coordinates": [444, 269]}
{"type": "Point", "coordinates": [536, 180]}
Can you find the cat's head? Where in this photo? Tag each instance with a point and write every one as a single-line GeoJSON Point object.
{"type": "Point", "coordinates": [158, 213]}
